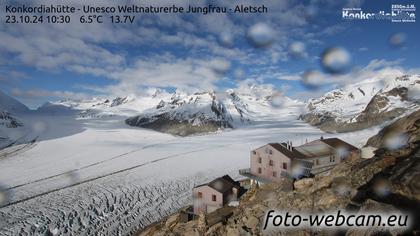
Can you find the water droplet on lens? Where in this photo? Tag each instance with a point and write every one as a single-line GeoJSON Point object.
{"type": "Point", "coordinates": [277, 100]}
{"type": "Point", "coordinates": [335, 60]}
{"type": "Point", "coordinates": [395, 140]}
{"type": "Point", "coordinates": [39, 127]}
{"type": "Point", "coordinates": [218, 185]}
{"type": "Point", "coordinates": [311, 11]}
{"type": "Point", "coordinates": [413, 93]}
{"type": "Point", "coordinates": [4, 195]}
{"type": "Point", "coordinates": [226, 39]}
{"type": "Point", "coordinates": [297, 170]}
{"type": "Point", "coordinates": [261, 35]}
{"type": "Point", "coordinates": [73, 177]}
{"type": "Point", "coordinates": [220, 66]}
{"type": "Point", "coordinates": [239, 74]}
{"type": "Point", "coordinates": [297, 49]}
{"type": "Point", "coordinates": [397, 40]}
{"type": "Point", "coordinates": [342, 153]}
{"type": "Point", "coordinates": [382, 187]}
{"type": "Point", "coordinates": [312, 79]}
{"type": "Point", "coordinates": [341, 187]}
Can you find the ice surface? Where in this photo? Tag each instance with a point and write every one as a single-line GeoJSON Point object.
{"type": "Point", "coordinates": [99, 176]}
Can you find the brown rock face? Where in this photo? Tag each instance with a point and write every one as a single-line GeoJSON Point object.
{"type": "Point", "coordinates": [303, 184]}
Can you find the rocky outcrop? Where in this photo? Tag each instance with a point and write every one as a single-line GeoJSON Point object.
{"type": "Point", "coordinates": [183, 116]}
{"type": "Point", "coordinates": [362, 106]}
{"type": "Point", "coordinates": [388, 182]}
{"type": "Point", "coordinates": [407, 126]}
{"type": "Point", "coordinates": [165, 123]}
{"type": "Point", "coordinates": [8, 121]}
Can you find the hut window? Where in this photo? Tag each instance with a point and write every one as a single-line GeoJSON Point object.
{"type": "Point", "coordinates": [259, 171]}
{"type": "Point", "coordinates": [213, 198]}
{"type": "Point", "coordinates": [200, 195]}
{"type": "Point", "coordinates": [271, 163]}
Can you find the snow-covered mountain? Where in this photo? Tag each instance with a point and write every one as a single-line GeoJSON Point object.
{"type": "Point", "coordinates": [11, 105]}
{"type": "Point", "coordinates": [186, 114]}
{"type": "Point", "coordinates": [179, 113]}
{"type": "Point", "coordinates": [10, 109]}
{"type": "Point", "coordinates": [123, 106]}
{"type": "Point", "coordinates": [364, 104]}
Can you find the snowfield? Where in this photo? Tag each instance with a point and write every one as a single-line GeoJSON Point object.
{"type": "Point", "coordinates": [100, 176]}
{"type": "Point", "coordinates": [76, 168]}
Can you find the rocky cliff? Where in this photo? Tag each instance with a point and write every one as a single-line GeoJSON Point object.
{"type": "Point", "coordinates": [387, 182]}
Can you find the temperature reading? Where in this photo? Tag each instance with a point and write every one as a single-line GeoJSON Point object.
{"type": "Point", "coordinates": [91, 19]}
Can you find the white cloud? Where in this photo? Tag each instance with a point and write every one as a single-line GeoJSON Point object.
{"type": "Point", "coordinates": [40, 93]}
{"type": "Point", "coordinates": [377, 68]}
{"type": "Point", "coordinates": [168, 71]}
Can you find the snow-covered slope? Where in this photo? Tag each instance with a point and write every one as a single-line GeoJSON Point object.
{"type": "Point", "coordinates": [186, 114]}
{"type": "Point", "coordinates": [122, 106]}
{"type": "Point", "coordinates": [180, 113]}
{"type": "Point", "coordinates": [364, 104]}
{"type": "Point", "coordinates": [9, 108]}
{"type": "Point", "coordinates": [11, 105]}
{"type": "Point", "coordinates": [94, 175]}
{"type": "Point", "coordinates": [100, 177]}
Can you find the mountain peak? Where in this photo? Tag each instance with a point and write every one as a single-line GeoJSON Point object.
{"type": "Point", "coordinates": [11, 105]}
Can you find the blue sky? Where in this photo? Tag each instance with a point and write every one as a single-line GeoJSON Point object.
{"type": "Point", "coordinates": [174, 51]}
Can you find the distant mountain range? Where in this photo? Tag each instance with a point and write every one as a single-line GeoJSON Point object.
{"type": "Point", "coordinates": [358, 106]}
{"type": "Point", "coordinates": [364, 104]}
{"type": "Point", "coordinates": [180, 113]}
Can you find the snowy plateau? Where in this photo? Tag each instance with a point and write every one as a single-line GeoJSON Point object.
{"type": "Point", "coordinates": [99, 167]}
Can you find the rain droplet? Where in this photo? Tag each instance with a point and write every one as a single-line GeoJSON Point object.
{"type": "Point", "coordinates": [311, 11]}
{"type": "Point", "coordinates": [277, 100]}
{"type": "Point", "coordinates": [297, 50]}
{"type": "Point", "coordinates": [220, 66]}
{"type": "Point", "coordinates": [397, 40]}
{"type": "Point", "coordinates": [341, 187]}
{"type": "Point", "coordinates": [395, 140]}
{"type": "Point", "coordinates": [312, 79]}
{"type": "Point", "coordinates": [342, 153]}
{"type": "Point", "coordinates": [39, 127]}
{"type": "Point", "coordinates": [73, 177]}
{"type": "Point", "coordinates": [413, 93]}
{"type": "Point", "coordinates": [4, 195]}
{"type": "Point", "coordinates": [297, 170]}
{"type": "Point", "coordinates": [335, 60]}
{"type": "Point", "coordinates": [218, 185]}
{"type": "Point", "coordinates": [382, 187]}
{"type": "Point", "coordinates": [239, 74]}
{"type": "Point", "coordinates": [261, 35]}
{"type": "Point", "coordinates": [226, 39]}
